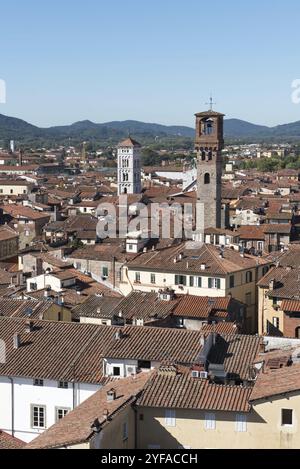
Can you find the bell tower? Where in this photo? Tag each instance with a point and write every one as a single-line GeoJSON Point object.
{"type": "Point", "coordinates": [209, 144]}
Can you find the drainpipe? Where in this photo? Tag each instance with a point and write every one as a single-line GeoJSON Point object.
{"type": "Point", "coordinates": [135, 425]}
{"type": "Point", "coordinates": [74, 391]}
{"type": "Point", "coordinates": [12, 406]}
{"type": "Point", "coordinates": [114, 271]}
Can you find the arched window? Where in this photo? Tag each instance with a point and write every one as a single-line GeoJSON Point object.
{"type": "Point", "coordinates": [203, 156]}
{"type": "Point", "coordinates": [209, 155]}
{"type": "Point", "coordinates": [125, 177]}
{"type": "Point", "coordinates": [297, 332]}
{"type": "Point", "coordinates": [206, 178]}
{"type": "Point", "coordinates": [207, 126]}
{"type": "Point", "coordinates": [125, 190]}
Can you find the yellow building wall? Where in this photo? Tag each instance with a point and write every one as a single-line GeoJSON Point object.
{"type": "Point", "coordinates": [264, 428]}
{"type": "Point", "coordinates": [111, 436]}
{"type": "Point", "coordinates": [266, 312]}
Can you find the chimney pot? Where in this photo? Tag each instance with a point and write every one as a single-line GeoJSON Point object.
{"type": "Point", "coordinates": [111, 395]}
{"type": "Point", "coordinates": [16, 341]}
{"type": "Point", "coordinates": [28, 326]}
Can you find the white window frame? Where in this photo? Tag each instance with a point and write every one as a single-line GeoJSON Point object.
{"type": "Point", "coordinates": [170, 418]}
{"type": "Point", "coordinates": [63, 384]}
{"type": "Point", "coordinates": [210, 421]}
{"type": "Point", "coordinates": [65, 410]}
{"type": "Point", "coordinates": [38, 382]}
{"type": "Point", "coordinates": [39, 407]}
{"type": "Point", "coordinates": [241, 423]}
{"type": "Point", "coordinates": [276, 322]}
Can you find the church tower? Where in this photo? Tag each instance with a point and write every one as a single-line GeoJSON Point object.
{"type": "Point", "coordinates": [129, 167]}
{"type": "Point", "coordinates": [209, 144]}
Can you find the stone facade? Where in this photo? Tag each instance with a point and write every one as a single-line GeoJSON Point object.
{"type": "Point", "coordinates": [209, 143]}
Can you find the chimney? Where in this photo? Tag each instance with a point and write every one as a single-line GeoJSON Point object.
{"type": "Point", "coordinates": [272, 284]}
{"type": "Point", "coordinates": [203, 266]}
{"type": "Point", "coordinates": [111, 395]}
{"type": "Point", "coordinates": [16, 341]}
{"type": "Point", "coordinates": [28, 326]}
{"type": "Point", "coordinates": [119, 335]}
{"type": "Point", "coordinates": [96, 426]}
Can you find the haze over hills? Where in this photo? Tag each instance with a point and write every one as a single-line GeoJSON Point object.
{"type": "Point", "coordinates": [112, 132]}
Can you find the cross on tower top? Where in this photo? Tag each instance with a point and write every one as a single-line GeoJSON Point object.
{"type": "Point", "coordinates": [211, 103]}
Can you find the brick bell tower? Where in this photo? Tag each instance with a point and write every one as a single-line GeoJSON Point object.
{"type": "Point", "coordinates": [209, 144]}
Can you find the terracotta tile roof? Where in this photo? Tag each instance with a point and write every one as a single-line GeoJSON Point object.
{"type": "Point", "coordinates": [192, 260]}
{"type": "Point", "coordinates": [209, 113]}
{"type": "Point", "coordinates": [182, 391]}
{"type": "Point", "coordinates": [251, 232]}
{"type": "Point", "coordinates": [23, 168]}
{"type": "Point", "coordinates": [250, 203]}
{"type": "Point", "coordinates": [287, 286]}
{"type": "Point", "coordinates": [156, 344]}
{"type": "Point", "coordinates": [10, 307]}
{"type": "Point", "coordinates": [277, 381]}
{"type": "Point", "coordinates": [200, 306]}
{"type": "Point", "coordinates": [279, 216]}
{"type": "Point", "coordinates": [282, 228]}
{"type": "Point", "coordinates": [129, 142]}
{"type": "Point", "coordinates": [144, 305]}
{"type": "Point", "coordinates": [7, 441]}
{"type": "Point", "coordinates": [275, 273]}
{"type": "Point", "coordinates": [236, 353]}
{"type": "Point", "coordinates": [222, 328]}
{"type": "Point", "coordinates": [75, 427]}
{"type": "Point", "coordinates": [20, 211]}
{"type": "Point", "coordinates": [290, 305]}
{"type": "Point", "coordinates": [103, 252]}
{"type": "Point", "coordinates": [96, 307]}
{"type": "Point", "coordinates": [67, 274]}
{"type": "Point", "coordinates": [55, 350]}
{"type": "Point", "coordinates": [7, 233]}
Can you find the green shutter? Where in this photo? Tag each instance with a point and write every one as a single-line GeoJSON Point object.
{"type": "Point", "coordinates": [191, 281]}
{"type": "Point", "coordinates": [210, 280]}
{"type": "Point", "coordinates": [199, 282]}
{"type": "Point", "coordinates": [218, 283]}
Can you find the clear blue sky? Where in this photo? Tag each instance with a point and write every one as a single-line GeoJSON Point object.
{"type": "Point", "coordinates": [150, 60]}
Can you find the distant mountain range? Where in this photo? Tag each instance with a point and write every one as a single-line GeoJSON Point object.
{"type": "Point", "coordinates": [234, 129]}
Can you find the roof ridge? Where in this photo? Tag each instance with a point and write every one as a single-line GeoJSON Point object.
{"type": "Point", "coordinates": [210, 250]}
